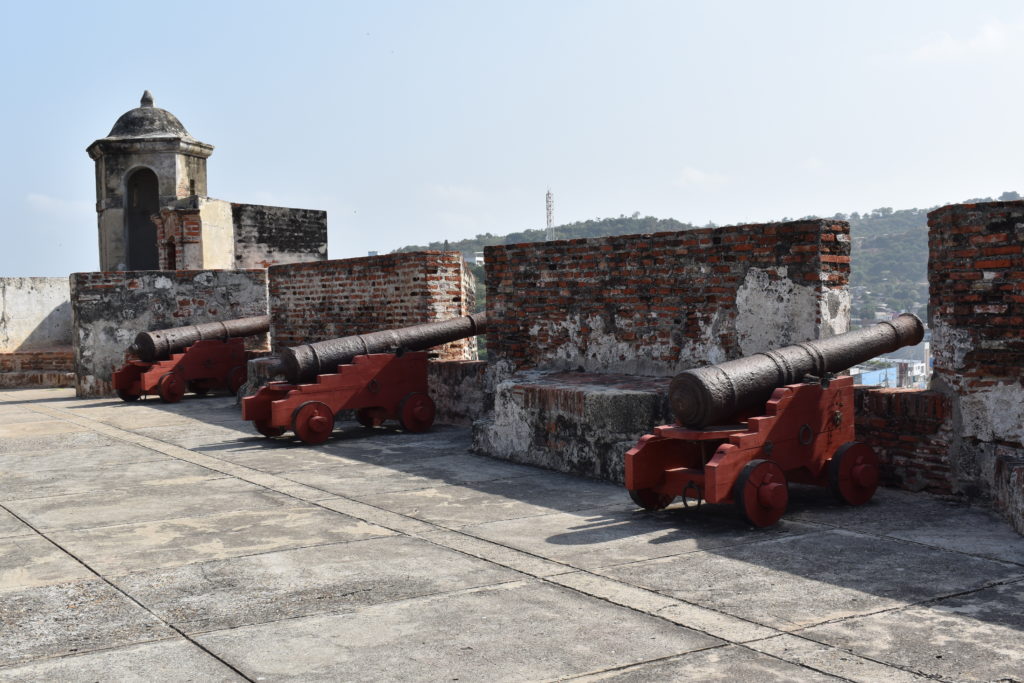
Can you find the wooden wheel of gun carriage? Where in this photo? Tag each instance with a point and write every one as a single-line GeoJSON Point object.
{"type": "Point", "coordinates": [792, 422]}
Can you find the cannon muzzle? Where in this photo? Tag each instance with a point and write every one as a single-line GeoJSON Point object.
{"type": "Point", "coordinates": [160, 344]}
{"type": "Point", "coordinates": [713, 394]}
{"type": "Point", "coordinates": [304, 363]}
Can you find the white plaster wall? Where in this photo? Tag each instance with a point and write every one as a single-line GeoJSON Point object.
{"type": "Point", "coordinates": [35, 313]}
{"type": "Point", "coordinates": [218, 234]}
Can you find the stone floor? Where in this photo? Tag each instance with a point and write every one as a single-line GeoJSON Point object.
{"type": "Point", "coordinates": [154, 542]}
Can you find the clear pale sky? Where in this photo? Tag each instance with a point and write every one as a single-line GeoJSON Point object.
{"type": "Point", "coordinates": [422, 120]}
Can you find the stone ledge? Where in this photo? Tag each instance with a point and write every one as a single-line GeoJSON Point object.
{"type": "Point", "coordinates": [573, 422]}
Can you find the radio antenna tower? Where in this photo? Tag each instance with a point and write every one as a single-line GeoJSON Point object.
{"type": "Point", "coordinates": [549, 199]}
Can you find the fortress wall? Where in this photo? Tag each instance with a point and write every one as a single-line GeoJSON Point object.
{"type": "Point", "coordinates": [583, 335]}
{"type": "Point", "coordinates": [320, 300]}
{"type": "Point", "coordinates": [274, 235]}
{"type": "Point", "coordinates": [110, 308]}
{"type": "Point", "coordinates": [970, 442]}
{"type": "Point", "coordinates": [35, 332]}
{"type": "Point", "coordinates": [657, 304]}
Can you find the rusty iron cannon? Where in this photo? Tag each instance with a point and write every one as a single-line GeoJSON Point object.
{"type": "Point", "coordinates": [196, 358]}
{"type": "Point", "coordinates": [747, 427]}
{"type": "Point", "coordinates": [379, 375]}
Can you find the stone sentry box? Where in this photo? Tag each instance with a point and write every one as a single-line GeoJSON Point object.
{"type": "Point", "coordinates": [110, 308]}
{"type": "Point", "coordinates": [584, 335]}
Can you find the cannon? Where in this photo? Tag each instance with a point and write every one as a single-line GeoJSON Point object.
{"type": "Point", "coordinates": [196, 358]}
{"type": "Point", "coordinates": [746, 428]}
{"type": "Point", "coordinates": [381, 376]}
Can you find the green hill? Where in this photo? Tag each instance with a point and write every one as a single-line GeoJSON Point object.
{"type": "Point", "coordinates": [889, 253]}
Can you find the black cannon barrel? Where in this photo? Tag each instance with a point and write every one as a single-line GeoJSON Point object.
{"type": "Point", "coordinates": [712, 394]}
{"type": "Point", "coordinates": [160, 344]}
{"type": "Point", "coordinates": [304, 363]}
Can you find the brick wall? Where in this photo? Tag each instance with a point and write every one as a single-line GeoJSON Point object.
{"type": "Point", "coordinates": [52, 360]}
{"type": "Point", "coordinates": [327, 299]}
{"type": "Point", "coordinates": [657, 304]}
{"type": "Point", "coordinates": [976, 280]}
{"type": "Point", "coordinates": [110, 308]}
{"type": "Point", "coordinates": [272, 235]}
{"type": "Point", "coordinates": [909, 431]}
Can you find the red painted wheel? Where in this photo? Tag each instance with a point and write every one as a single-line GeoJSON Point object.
{"type": "Point", "coordinates": [853, 473]}
{"type": "Point", "coordinates": [313, 422]}
{"type": "Point", "coordinates": [235, 378]}
{"type": "Point", "coordinates": [761, 492]}
{"type": "Point", "coordinates": [649, 499]}
{"type": "Point", "coordinates": [416, 412]}
{"type": "Point", "coordinates": [127, 396]}
{"type": "Point", "coordinates": [171, 387]}
{"type": "Point", "coordinates": [370, 417]}
{"type": "Point", "coordinates": [266, 429]}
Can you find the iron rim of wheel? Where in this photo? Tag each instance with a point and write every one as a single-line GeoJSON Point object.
{"type": "Point", "coordinates": [761, 492]}
{"type": "Point", "coordinates": [313, 422]}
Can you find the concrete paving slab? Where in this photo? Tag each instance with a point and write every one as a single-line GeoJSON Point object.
{"type": "Point", "coordinates": [99, 458]}
{"type": "Point", "coordinates": [67, 441]}
{"type": "Point", "coordinates": [132, 416]}
{"type": "Point", "coordinates": [609, 536]}
{"type": "Point", "coordinates": [916, 517]}
{"type": "Point", "coordinates": [168, 661]}
{"type": "Point", "coordinates": [496, 553]}
{"type": "Point", "coordinates": [25, 484]}
{"type": "Point", "coordinates": [973, 637]}
{"type": "Point", "coordinates": [127, 548]}
{"type": "Point", "coordinates": [146, 504]}
{"type": "Point", "coordinates": [524, 631]}
{"type": "Point", "coordinates": [34, 561]}
{"type": "Point", "coordinates": [197, 434]}
{"type": "Point", "coordinates": [274, 457]}
{"type": "Point", "coordinates": [790, 582]}
{"type": "Point", "coordinates": [732, 663]}
{"type": "Point", "coordinates": [540, 493]}
{"type": "Point", "coordinates": [51, 621]}
{"type": "Point", "coordinates": [38, 427]}
{"type": "Point", "coordinates": [363, 480]}
{"type": "Point", "coordinates": [11, 526]}
{"type": "Point", "coordinates": [832, 660]}
{"type": "Point", "coordinates": [293, 583]}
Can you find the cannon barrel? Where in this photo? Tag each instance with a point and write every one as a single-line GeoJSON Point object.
{"type": "Point", "coordinates": [713, 394]}
{"type": "Point", "coordinates": [160, 344]}
{"type": "Point", "coordinates": [303, 363]}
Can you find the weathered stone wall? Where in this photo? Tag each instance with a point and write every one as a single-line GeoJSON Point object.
{"type": "Point", "coordinates": [630, 312]}
{"type": "Point", "coordinates": [658, 304]}
{"type": "Point", "coordinates": [273, 235]}
{"type": "Point", "coordinates": [110, 308]}
{"type": "Point", "coordinates": [976, 279]}
{"type": "Point", "coordinates": [459, 390]}
{"type": "Point", "coordinates": [327, 299]}
{"type": "Point", "coordinates": [964, 437]}
{"type": "Point", "coordinates": [35, 313]}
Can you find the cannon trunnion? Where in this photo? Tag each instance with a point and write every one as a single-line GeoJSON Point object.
{"type": "Point", "coordinates": [195, 358]}
{"type": "Point", "coordinates": [722, 451]}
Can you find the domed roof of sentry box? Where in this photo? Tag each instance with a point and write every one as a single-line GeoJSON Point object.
{"type": "Point", "coordinates": [147, 121]}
